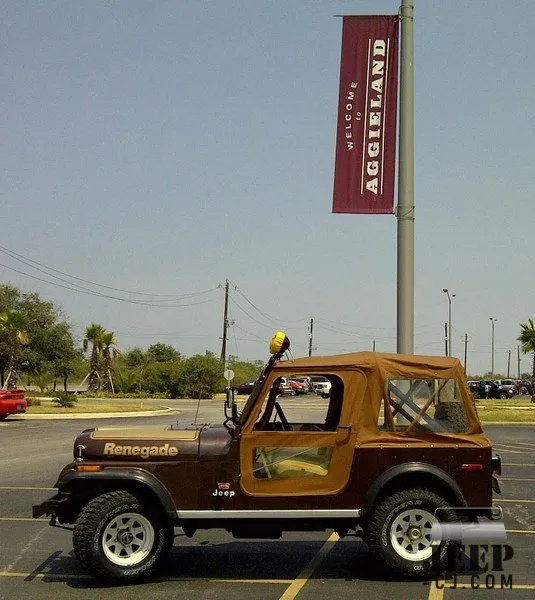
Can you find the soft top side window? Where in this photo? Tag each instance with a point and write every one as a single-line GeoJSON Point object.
{"type": "Point", "coordinates": [423, 405]}
{"type": "Point", "coordinates": [283, 410]}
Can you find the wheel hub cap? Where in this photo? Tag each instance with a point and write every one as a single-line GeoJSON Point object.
{"type": "Point", "coordinates": [125, 537]}
{"type": "Point", "coordinates": [410, 534]}
{"type": "Point", "coordinates": [128, 539]}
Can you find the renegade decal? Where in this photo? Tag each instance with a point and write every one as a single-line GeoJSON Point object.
{"type": "Point", "coordinates": [110, 448]}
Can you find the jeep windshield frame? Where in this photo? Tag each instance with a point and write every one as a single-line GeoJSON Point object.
{"type": "Point", "coordinates": [253, 396]}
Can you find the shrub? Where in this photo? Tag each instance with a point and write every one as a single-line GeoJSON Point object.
{"type": "Point", "coordinates": [33, 401]}
{"type": "Point", "coordinates": [65, 400]}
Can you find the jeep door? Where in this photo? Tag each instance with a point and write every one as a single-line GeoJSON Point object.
{"type": "Point", "coordinates": [300, 447]}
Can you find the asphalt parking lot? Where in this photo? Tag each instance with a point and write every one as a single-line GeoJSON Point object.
{"type": "Point", "coordinates": [36, 560]}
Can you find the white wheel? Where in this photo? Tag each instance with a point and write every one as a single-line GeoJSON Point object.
{"type": "Point", "coordinates": [410, 534]}
{"type": "Point", "coordinates": [399, 532]}
{"type": "Point", "coordinates": [128, 539]}
{"type": "Point", "coordinates": [119, 538]}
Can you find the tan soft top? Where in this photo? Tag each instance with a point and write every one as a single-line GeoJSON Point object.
{"type": "Point", "coordinates": [378, 367]}
{"type": "Point", "coordinates": [393, 364]}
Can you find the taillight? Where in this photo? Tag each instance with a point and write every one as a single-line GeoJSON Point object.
{"type": "Point", "coordinates": [472, 467]}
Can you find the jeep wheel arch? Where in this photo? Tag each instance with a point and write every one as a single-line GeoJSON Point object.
{"type": "Point", "coordinates": [84, 486]}
{"type": "Point", "coordinates": [409, 475]}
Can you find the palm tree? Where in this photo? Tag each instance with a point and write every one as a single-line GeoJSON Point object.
{"type": "Point", "coordinates": [13, 326]}
{"type": "Point", "coordinates": [109, 351]}
{"type": "Point", "coordinates": [94, 335]}
{"type": "Point", "coordinates": [527, 339]}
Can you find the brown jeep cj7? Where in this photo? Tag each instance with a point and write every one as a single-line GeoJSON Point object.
{"type": "Point", "coordinates": [395, 449]}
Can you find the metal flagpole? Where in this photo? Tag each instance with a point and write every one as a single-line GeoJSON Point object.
{"type": "Point", "coordinates": [405, 208]}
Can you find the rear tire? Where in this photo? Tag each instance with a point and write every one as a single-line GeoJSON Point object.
{"type": "Point", "coordinates": [399, 532]}
{"type": "Point", "coordinates": [119, 539]}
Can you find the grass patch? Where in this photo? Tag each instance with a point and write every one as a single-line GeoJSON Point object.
{"type": "Point", "coordinates": [490, 414]}
{"type": "Point", "coordinates": [90, 405]}
{"type": "Point", "coordinates": [504, 403]}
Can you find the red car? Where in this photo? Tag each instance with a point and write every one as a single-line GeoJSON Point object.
{"type": "Point", "coordinates": [11, 403]}
{"type": "Point", "coordinates": [244, 388]}
{"type": "Point", "coordinates": [292, 387]}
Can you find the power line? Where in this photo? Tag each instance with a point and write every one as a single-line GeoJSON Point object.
{"type": "Point", "coordinates": [30, 262]}
{"type": "Point", "coordinates": [83, 290]}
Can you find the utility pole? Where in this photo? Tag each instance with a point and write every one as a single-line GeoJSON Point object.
{"type": "Point", "coordinates": [518, 360]}
{"type": "Point", "coordinates": [450, 340]}
{"type": "Point", "coordinates": [225, 325]}
{"type": "Point", "coordinates": [493, 321]}
{"type": "Point", "coordinates": [465, 349]}
{"type": "Point", "coordinates": [374, 345]}
{"type": "Point", "coordinates": [446, 338]}
{"type": "Point", "coordinates": [310, 336]}
{"type": "Point", "coordinates": [508, 362]}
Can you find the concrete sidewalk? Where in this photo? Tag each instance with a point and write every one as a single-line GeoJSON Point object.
{"type": "Point", "coordinates": [95, 415]}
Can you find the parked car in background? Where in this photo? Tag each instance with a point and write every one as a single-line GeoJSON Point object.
{"type": "Point", "coordinates": [292, 387]}
{"type": "Point", "coordinates": [476, 388]}
{"type": "Point", "coordinates": [505, 388]}
{"type": "Point", "coordinates": [305, 382]}
{"type": "Point", "coordinates": [321, 386]}
{"type": "Point", "coordinates": [527, 386]}
{"type": "Point", "coordinates": [12, 402]}
{"type": "Point", "coordinates": [244, 388]}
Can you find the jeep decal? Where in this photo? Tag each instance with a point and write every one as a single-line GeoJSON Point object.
{"type": "Point", "coordinates": [112, 449]}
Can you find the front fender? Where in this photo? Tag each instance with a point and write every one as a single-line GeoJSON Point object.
{"type": "Point", "coordinates": [119, 477]}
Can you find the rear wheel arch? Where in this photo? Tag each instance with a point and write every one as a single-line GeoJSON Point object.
{"type": "Point", "coordinates": [410, 476]}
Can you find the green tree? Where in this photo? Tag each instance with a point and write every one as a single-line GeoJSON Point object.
{"type": "Point", "coordinates": [13, 335]}
{"type": "Point", "coordinates": [162, 353]}
{"type": "Point", "coordinates": [49, 335]}
{"type": "Point", "coordinates": [245, 371]}
{"type": "Point", "coordinates": [67, 366]}
{"type": "Point", "coordinates": [203, 376]}
{"type": "Point", "coordinates": [94, 335]}
{"type": "Point", "coordinates": [109, 352]}
{"type": "Point", "coordinates": [133, 358]}
{"type": "Point", "coordinates": [163, 377]}
{"type": "Point", "coordinates": [126, 381]}
{"type": "Point", "coordinates": [527, 339]}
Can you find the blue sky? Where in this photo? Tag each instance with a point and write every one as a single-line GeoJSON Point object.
{"type": "Point", "coordinates": [162, 147]}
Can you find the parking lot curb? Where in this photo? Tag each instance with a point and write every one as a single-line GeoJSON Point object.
{"type": "Point", "coordinates": [95, 415]}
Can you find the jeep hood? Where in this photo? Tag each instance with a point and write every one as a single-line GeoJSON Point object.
{"type": "Point", "coordinates": [139, 444]}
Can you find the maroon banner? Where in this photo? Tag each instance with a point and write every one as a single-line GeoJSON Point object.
{"type": "Point", "coordinates": [367, 108]}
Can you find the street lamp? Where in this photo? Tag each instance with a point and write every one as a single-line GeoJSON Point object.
{"type": "Point", "coordinates": [449, 336]}
{"type": "Point", "coordinates": [492, 320]}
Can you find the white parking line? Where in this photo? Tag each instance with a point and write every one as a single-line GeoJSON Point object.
{"type": "Point", "coordinates": [22, 487]}
{"type": "Point", "coordinates": [74, 576]}
{"type": "Point", "coordinates": [24, 519]}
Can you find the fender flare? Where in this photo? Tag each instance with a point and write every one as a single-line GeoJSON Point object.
{"type": "Point", "coordinates": [118, 474]}
{"type": "Point", "coordinates": [413, 467]}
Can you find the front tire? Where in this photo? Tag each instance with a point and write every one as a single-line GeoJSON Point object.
{"type": "Point", "coordinates": [399, 532]}
{"type": "Point", "coordinates": [118, 538]}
